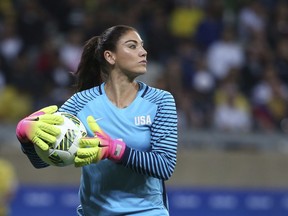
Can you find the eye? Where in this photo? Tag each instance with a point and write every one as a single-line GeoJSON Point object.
{"type": "Point", "coordinates": [132, 46]}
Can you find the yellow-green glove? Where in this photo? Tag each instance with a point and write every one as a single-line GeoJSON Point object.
{"type": "Point", "coordinates": [99, 147]}
{"type": "Point", "coordinates": [39, 127]}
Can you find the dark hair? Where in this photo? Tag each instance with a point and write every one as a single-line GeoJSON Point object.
{"type": "Point", "coordinates": [93, 68]}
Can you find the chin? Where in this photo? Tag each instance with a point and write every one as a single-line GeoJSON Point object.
{"type": "Point", "coordinates": [143, 72]}
{"type": "Point", "coordinates": [140, 72]}
{"type": "Point", "coordinates": [137, 74]}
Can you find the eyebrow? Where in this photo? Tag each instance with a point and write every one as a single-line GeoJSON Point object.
{"type": "Point", "coordinates": [142, 42]}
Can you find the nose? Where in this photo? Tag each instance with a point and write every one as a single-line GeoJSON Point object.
{"type": "Point", "coordinates": [143, 52]}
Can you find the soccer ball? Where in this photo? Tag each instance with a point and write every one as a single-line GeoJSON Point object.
{"type": "Point", "coordinates": [62, 152]}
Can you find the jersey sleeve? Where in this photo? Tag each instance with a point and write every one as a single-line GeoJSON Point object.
{"type": "Point", "coordinates": [29, 150]}
{"type": "Point", "coordinates": [160, 162]}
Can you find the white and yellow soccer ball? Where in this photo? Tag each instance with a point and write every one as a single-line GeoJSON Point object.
{"type": "Point", "coordinates": [62, 152]}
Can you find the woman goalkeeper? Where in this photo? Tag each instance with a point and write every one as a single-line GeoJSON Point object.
{"type": "Point", "coordinates": [132, 127]}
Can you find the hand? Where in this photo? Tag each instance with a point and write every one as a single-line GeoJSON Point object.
{"type": "Point", "coordinates": [99, 147]}
{"type": "Point", "coordinates": [39, 128]}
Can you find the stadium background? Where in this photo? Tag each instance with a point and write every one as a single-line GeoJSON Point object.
{"type": "Point", "coordinates": [226, 63]}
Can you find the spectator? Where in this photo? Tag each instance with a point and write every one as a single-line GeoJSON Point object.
{"type": "Point", "coordinates": [281, 59]}
{"type": "Point", "coordinates": [10, 43]}
{"type": "Point", "coordinates": [232, 110]}
{"type": "Point", "coordinates": [70, 51]}
{"type": "Point", "coordinates": [185, 18]}
{"type": "Point", "coordinates": [8, 186]}
{"type": "Point", "coordinates": [278, 23]}
{"type": "Point", "coordinates": [257, 56]}
{"type": "Point", "coordinates": [269, 101]}
{"type": "Point", "coordinates": [251, 19]}
{"type": "Point", "coordinates": [31, 24]}
{"type": "Point", "coordinates": [225, 54]}
{"type": "Point", "coordinates": [2, 74]}
{"type": "Point", "coordinates": [211, 26]}
{"type": "Point", "coordinates": [203, 85]}
{"type": "Point", "coordinates": [187, 52]}
{"type": "Point", "coordinates": [52, 73]}
{"type": "Point", "coordinates": [158, 29]}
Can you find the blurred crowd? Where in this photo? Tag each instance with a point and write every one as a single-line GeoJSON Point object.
{"type": "Point", "coordinates": [225, 62]}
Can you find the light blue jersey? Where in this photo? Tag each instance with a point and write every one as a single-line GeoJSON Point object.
{"type": "Point", "coordinates": [148, 126]}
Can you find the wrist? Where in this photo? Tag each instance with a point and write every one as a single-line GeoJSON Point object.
{"type": "Point", "coordinates": [117, 150]}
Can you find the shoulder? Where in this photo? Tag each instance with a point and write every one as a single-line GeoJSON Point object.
{"type": "Point", "coordinates": [86, 95]}
{"type": "Point", "coordinates": [79, 99]}
{"type": "Point", "coordinates": [155, 95]}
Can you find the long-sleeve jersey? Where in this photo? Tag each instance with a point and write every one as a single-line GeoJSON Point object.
{"type": "Point", "coordinates": [148, 126]}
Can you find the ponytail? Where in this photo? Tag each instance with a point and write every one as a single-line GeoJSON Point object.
{"type": "Point", "coordinates": [88, 73]}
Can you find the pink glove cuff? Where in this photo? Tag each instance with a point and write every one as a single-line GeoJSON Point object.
{"type": "Point", "coordinates": [20, 131]}
{"type": "Point", "coordinates": [117, 149]}
{"type": "Point", "coordinates": [22, 127]}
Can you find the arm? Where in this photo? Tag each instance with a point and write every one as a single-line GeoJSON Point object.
{"type": "Point", "coordinates": [159, 162]}
{"type": "Point", "coordinates": [29, 150]}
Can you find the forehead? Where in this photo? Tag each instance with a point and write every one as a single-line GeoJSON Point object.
{"type": "Point", "coordinates": [130, 36]}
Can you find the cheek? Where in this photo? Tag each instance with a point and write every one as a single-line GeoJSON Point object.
{"type": "Point", "coordinates": [126, 54]}
{"type": "Point", "coordinates": [125, 59]}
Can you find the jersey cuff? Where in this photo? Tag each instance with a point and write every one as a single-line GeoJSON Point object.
{"type": "Point", "coordinates": [125, 156]}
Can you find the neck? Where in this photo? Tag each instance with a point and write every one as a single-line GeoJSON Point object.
{"type": "Point", "coordinates": [121, 94]}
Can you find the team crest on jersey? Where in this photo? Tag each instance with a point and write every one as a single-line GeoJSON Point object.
{"type": "Point", "coordinates": [142, 120]}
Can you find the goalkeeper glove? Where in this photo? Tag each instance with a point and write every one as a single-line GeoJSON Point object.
{"type": "Point", "coordinates": [39, 128]}
{"type": "Point", "coordinates": [99, 147]}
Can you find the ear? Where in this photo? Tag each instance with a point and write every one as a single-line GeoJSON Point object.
{"type": "Point", "coordinates": [109, 56]}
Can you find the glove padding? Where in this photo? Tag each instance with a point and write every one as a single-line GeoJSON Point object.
{"type": "Point", "coordinates": [39, 128]}
{"type": "Point", "coordinates": [99, 147]}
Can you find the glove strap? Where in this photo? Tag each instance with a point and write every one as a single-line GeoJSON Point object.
{"type": "Point", "coordinates": [117, 150]}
